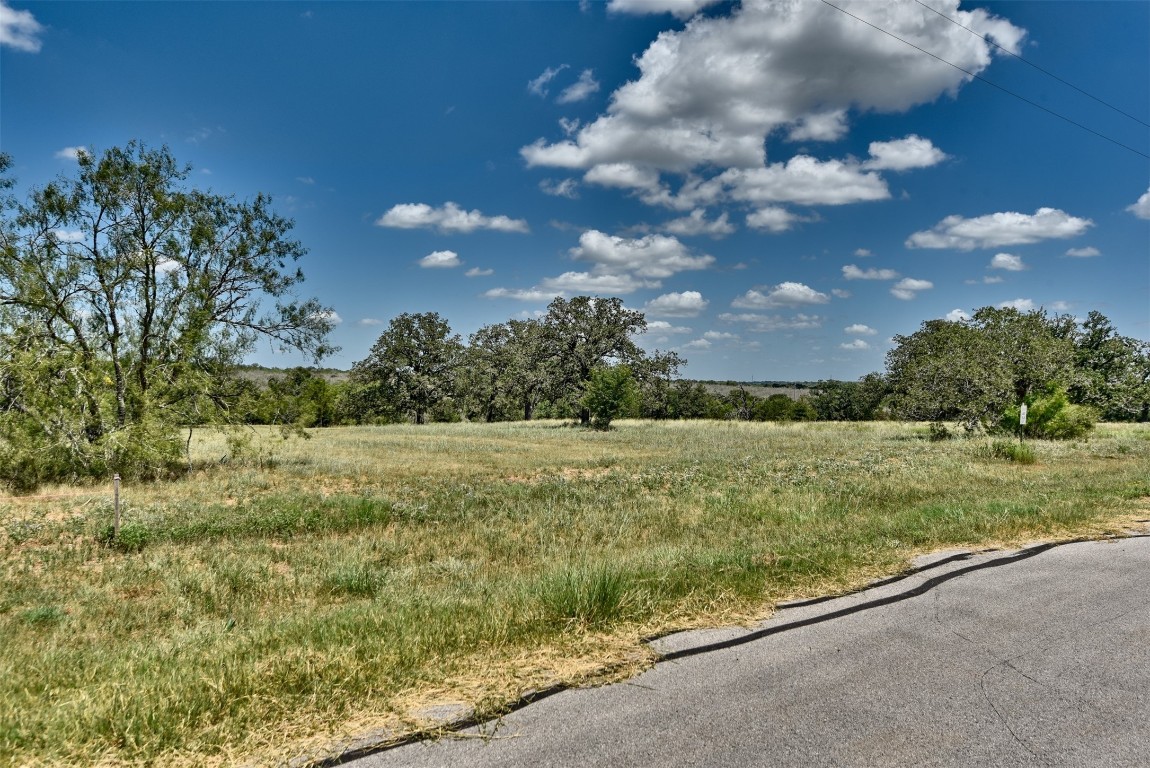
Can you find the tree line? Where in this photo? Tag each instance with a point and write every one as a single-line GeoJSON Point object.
{"type": "Point", "coordinates": [972, 375]}
{"type": "Point", "coordinates": [129, 300]}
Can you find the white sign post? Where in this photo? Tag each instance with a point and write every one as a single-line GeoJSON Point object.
{"type": "Point", "coordinates": [1021, 421]}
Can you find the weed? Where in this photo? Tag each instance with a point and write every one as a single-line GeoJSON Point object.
{"type": "Point", "coordinates": [133, 537]}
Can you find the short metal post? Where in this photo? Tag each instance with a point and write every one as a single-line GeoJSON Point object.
{"type": "Point", "coordinates": [116, 505]}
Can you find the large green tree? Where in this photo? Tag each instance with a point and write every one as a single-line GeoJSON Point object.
{"type": "Point", "coordinates": [582, 334]}
{"type": "Point", "coordinates": [1112, 371]}
{"type": "Point", "coordinates": [971, 371]}
{"type": "Point", "coordinates": [126, 298]}
{"type": "Point", "coordinates": [413, 366]}
{"type": "Point", "coordinates": [948, 371]}
{"type": "Point", "coordinates": [507, 370]}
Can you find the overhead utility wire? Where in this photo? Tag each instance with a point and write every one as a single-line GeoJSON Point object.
{"type": "Point", "coordinates": [991, 83]}
{"type": "Point", "coordinates": [1040, 69]}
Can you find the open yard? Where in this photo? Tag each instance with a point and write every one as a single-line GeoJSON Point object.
{"type": "Point", "coordinates": [270, 603]}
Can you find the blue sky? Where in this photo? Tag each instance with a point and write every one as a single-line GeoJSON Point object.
{"type": "Point", "coordinates": [781, 187]}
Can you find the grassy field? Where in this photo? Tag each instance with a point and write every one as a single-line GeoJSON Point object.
{"type": "Point", "coordinates": [264, 606]}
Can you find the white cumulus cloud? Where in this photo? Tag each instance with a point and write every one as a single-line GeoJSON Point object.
{"type": "Point", "coordinates": [696, 224]}
{"type": "Point", "coordinates": [698, 344]}
{"type": "Point", "coordinates": [858, 329]}
{"type": "Point", "coordinates": [903, 154]}
{"type": "Point", "coordinates": [782, 295]}
{"type": "Point", "coordinates": [685, 304]}
{"type": "Point", "coordinates": [999, 229]}
{"type": "Point", "coordinates": [805, 180]}
{"type": "Point", "coordinates": [1022, 305]}
{"type": "Point", "coordinates": [71, 153]}
{"type": "Point", "coordinates": [662, 326]}
{"type": "Point", "coordinates": [477, 272]}
{"type": "Point", "coordinates": [449, 219]}
{"type": "Point", "coordinates": [851, 272]}
{"type": "Point", "coordinates": [908, 288]}
{"type": "Point", "coordinates": [681, 9]}
{"type": "Point", "coordinates": [855, 344]}
{"type": "Point", "coordinates": [773, 218]}
{"type": "Point", "coordinates": [957, 315]}
{"type": "Point", "coordinates": [440, 260]}
{"type": "Point", "coordinates": [1141, 208]}
{"type": "Point", "coordinates": [623, 176]}
{"type": "Point", "coordinates": [710, 93]}
{"type": "Point", "coordinates": [651, 256]}
{"type": "Point", "coordinates": [1007, 261]}
{"type": "Point", "coordinates": [329, 315]}
{"type": "Point", "coordinates": [586, 282]}
{"type": "Point", "coordinates": [19, 29]}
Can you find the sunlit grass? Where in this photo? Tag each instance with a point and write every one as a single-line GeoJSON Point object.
{"type": "Point", "coordinates": [315, 587]}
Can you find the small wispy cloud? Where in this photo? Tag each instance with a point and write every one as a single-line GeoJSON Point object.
{"type": "Point", "coordinates": [580, 90]}
{"type": "Point", "coordinates": [1083, 253]}
{"type": "Point", "coordinates": [539, 86]}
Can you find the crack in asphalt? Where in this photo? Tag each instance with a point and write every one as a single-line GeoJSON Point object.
{"type": "Point", "coordinates": [998, 713]}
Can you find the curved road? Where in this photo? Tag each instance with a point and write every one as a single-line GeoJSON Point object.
{"type": "Point", "coordinates": [1034, 658]}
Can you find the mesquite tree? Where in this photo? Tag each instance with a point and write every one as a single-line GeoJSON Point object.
{"type": "Point", "coordinates": [126, 297]}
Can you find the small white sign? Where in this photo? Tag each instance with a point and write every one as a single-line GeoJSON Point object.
{"type": "Point", "coordinates": [1022, 415]}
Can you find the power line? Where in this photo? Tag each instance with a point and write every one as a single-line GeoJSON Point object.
{"type": "Point", "coordinates": [989, 82]}
{"type": "Point", "coordinates": [1040, 69]}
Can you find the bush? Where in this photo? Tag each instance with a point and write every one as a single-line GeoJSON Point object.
{"type": "Point", "coordinates": [1050, 416]}
{"type": "Point", "coordinates": [939, 431]}
{"type": "Point", "coordinates": [611, 392]}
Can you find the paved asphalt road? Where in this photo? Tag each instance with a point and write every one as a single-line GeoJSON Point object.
{"type": "Point", "coordinates": [1038, 658]}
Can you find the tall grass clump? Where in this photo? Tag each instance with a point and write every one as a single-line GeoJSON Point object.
{"type": "Point", "coordinates": [1018, 452]}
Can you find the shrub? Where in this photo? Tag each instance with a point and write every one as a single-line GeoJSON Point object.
{"type": "Point", "coordinates": [611, 392]}
{"type": "Point", "coordinates": [939, 431]}
{"type": "Point", "coordinates": [1051, 416]}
